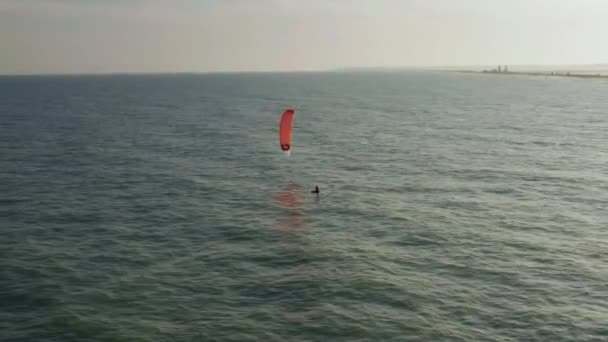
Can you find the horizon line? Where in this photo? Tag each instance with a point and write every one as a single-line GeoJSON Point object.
{"type": "Point", "coordinates": [335, 69]}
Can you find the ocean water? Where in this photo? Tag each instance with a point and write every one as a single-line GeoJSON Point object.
{"type": "Point", "coordinates": [453, 207]}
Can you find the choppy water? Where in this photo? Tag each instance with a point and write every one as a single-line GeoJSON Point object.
{"type": "Point", "coordinates": [160, 208]}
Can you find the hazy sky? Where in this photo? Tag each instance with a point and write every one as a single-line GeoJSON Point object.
{"type": "Point", "coordinates": [75, 36]}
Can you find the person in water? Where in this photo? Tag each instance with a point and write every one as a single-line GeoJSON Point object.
{"type": "Point", "coordinates": [316, 190]}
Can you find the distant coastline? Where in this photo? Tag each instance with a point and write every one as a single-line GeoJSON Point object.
{"type": "Point", "coordinates": [507, 72]}
{"type": "Point", "coordinates": [597, 71]}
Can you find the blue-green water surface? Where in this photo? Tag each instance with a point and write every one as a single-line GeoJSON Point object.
{"type": "Point", "coordinates": [453, 207]}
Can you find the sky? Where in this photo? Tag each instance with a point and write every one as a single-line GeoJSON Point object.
{"type": "Point", "coordinates": [105, 36]}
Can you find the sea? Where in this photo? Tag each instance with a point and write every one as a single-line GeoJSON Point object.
{"type": "Point", "coordinates": [453, 207]}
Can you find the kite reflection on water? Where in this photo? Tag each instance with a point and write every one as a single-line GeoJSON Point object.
{"type": "Point", "coordinates": [289, 199]}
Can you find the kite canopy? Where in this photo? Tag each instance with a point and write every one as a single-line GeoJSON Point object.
{"type": "Point", "coordinates": [285, 131]}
